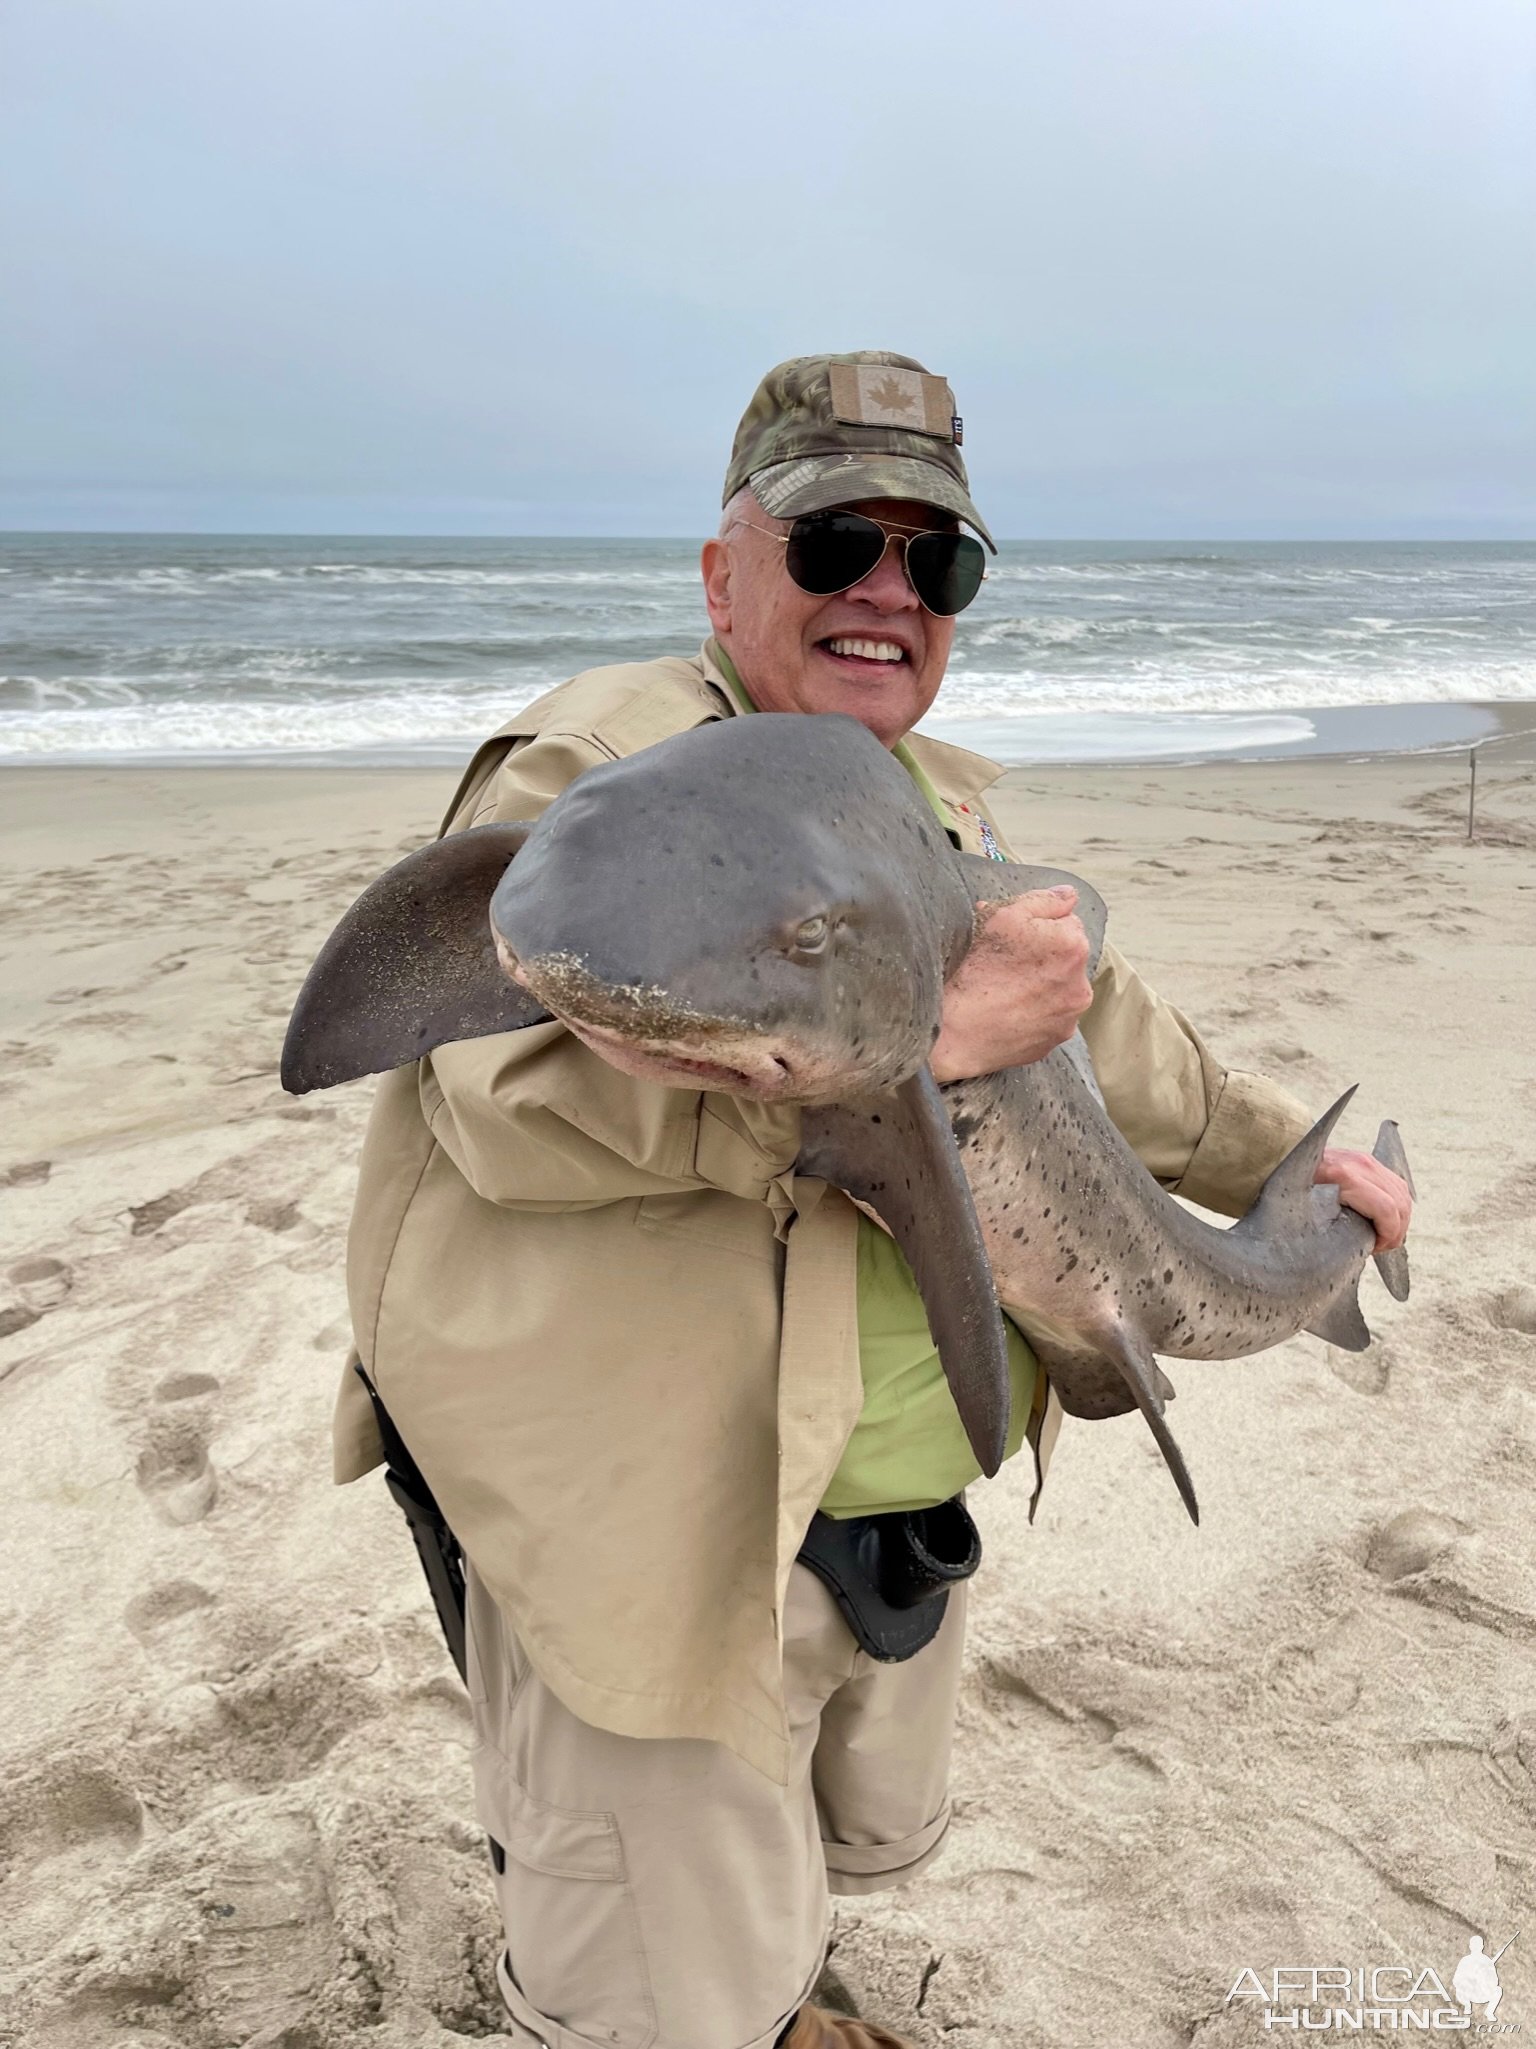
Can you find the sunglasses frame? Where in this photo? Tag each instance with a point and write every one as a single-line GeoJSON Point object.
{"type": "Point", "coordinates": [907, 536]}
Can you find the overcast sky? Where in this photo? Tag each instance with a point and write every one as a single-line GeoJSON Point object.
{"type": "Point", "coordinates": [1193, 267]}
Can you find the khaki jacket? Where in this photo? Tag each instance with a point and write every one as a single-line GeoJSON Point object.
{"type": "Point", "coordinates": [616, 1329]}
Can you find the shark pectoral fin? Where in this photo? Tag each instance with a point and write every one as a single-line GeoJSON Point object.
{"type": "Point", "coordinates": [897, 1154]}
{"type": "Point", "coordinates": [1145, 1380]}
{"type": "Point", "coordinates": [411, 966]}
{"type": "Point", "coordinates": [1393, 1265]}
{"type": "Point", "coordinates": [999, 882]}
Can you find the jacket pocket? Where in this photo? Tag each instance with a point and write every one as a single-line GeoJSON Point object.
{"type": "Point", "coordinates": [573, 1933]}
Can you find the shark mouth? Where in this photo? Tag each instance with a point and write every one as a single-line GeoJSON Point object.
{"type": "Point", "coordinates": [648, 1033]}
{"type": "Point", "coordinates": [754, 1070]}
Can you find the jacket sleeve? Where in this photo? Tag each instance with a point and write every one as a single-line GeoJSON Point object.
{"type": "Point", "coordinates": [1210, 1133]}
{"type": "Point", "coordinates": [534, 1119]}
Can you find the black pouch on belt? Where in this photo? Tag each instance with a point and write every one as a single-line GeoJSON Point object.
{"type": "Point", "coordinates": [891, 1574]}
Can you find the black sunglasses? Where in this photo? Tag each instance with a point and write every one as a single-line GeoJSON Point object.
{"type": "Point", "coordinates": [827, 552]}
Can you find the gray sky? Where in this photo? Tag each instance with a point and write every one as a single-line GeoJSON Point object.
{"type": "Point", "coordinates": [1194, 267]}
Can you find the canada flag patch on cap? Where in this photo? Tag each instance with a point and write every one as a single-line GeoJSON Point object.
{"type": "Point", "coordinates": [884, 395]}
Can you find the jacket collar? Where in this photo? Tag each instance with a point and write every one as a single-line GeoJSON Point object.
{"type": "Point", "coordinates": [955, 773]}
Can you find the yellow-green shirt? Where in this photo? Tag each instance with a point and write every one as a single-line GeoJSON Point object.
{"type": "Point", "coordinates": [909, 1448]}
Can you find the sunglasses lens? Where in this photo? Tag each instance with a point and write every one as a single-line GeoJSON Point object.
{"type": "Point", "coordinates": [832, 551]}
{"type": "Point", "coordinates": [946, 571]}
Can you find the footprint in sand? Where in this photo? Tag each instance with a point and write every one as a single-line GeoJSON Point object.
{"type": "Point", "coordinates": [30, 1174]}
{"type": "Point", "coordinates": [42, 1284]}
{"type": "Point", "coordinates": [67, 1801]}
{"type": "Point", "coordinates": [277, 1217]}
{"type": "Point", "coordinates": [1367, 1372]}
{"type": "Point", "coordinates": [80, 995]}
{"type": "Point", "coordinates": [1515, 1309]}
{"type": "Point", "coordinates": [268, 1928]}
{"type": "Point", "coordinates": [147, 1217]}
{"type": "Point", "coordinates": [1309, 1684]}
{"type": "Point", "coordinates": [150, 1613]}
{"type": "Point", "coordinates": [65, 1819]}
{"type": "Point", "coordinates": [183, 1387]}
{"type": "Point", "coordinates": [1412, 1540]}
{"type": "Point", "coordinates": [1102, 1754]}
{"type": "Point", "coordinates": [1512, 1754]}
{"type": "Point", "coordinates": [1286, 1053]}
{"type": "Point", "coordinates": [37, 1286]}
{"type": "Point", "coordinates": [20, 1055]}
{"type": "Point", "coordinates": [174, 1471]}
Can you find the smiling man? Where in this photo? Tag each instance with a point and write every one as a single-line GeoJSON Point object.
{"type": "Point", "coordinates": [680, 1404]}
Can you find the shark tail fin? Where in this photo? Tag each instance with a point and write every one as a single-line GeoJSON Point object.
{"type": "Point", "coordinates": [1393, 1266]}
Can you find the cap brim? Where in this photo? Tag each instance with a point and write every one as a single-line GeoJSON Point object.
{"type": "Point", "coordinates": [814, 483]}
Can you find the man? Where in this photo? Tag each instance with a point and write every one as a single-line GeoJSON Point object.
{"type": "Point", "coordinates": [634, 1353]}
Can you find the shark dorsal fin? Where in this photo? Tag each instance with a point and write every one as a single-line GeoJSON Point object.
{"type": "Point", "coordinates": [1286, 1199]}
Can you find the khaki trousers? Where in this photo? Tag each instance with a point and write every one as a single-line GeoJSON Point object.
{"type": "Point", "coordinates": [658, 1893]}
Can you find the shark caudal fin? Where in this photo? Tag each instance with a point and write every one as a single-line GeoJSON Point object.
{"type": "Point", "coordinates": [1393, 1266]}
{"type": "Point", "coordinates": [1343, 1325]}
{"type": "Point", "coordinates": [1291, 1205]}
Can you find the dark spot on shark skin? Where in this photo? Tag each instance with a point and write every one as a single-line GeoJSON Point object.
{"type": "Point", "coordinates": [1167, 1276]}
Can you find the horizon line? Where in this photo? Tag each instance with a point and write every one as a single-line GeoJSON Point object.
{"type": "Point", "coordinates": [1007, 540]}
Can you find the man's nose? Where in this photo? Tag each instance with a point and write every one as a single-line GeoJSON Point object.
{"type": "Point", "coordinates": [887, 586]}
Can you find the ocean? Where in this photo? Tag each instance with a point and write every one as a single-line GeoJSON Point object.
{"type": "Point", "coordinates": [166, 648]}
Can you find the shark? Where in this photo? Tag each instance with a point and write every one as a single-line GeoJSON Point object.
{"type": "Point", "coordinates": [769, 907]}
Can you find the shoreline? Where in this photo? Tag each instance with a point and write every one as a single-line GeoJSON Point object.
{"type": "Point", "coordinates": [1126, 739]}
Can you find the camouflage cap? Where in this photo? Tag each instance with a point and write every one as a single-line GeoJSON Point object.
{"type": "Point", "coordinates": [829, 430]}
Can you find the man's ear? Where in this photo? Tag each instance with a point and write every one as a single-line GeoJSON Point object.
{"type": "Point", "coordinates": [715, 562]}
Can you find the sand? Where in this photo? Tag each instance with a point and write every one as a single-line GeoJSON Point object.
{"type": "Point", "coordinates": [236, 1800]}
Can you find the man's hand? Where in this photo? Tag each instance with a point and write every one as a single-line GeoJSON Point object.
{"type": "Point", "coordinates": [1364, 1184]}
{"type": "Point", "coordinates": [1019, 991]}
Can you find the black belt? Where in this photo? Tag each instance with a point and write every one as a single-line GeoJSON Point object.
{"type": "Point", "coordinates": [891, 1574]}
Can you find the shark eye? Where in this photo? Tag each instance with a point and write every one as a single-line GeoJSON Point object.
{"type": "Point", "coordinates": [811, 934]}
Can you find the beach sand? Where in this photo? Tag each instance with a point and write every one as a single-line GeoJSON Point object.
{"type": "Point", "coordinates": [236, 1796]}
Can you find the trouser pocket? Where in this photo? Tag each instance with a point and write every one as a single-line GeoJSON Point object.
{"type": "Point", "coordinates": [573, 1932]}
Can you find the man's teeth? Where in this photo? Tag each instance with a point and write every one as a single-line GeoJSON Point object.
{"type": "Point", "coordinates": [871, 650]}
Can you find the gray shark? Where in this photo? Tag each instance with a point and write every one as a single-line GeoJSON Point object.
{"type": "Point", "coordinates": [767, 906]}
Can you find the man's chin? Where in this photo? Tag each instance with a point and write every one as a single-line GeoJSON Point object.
{"type": "Point", "coordinates": [884, 696]}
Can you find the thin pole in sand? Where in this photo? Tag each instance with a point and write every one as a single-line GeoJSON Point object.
{"type": "Point", "coordinates": [1493, 740]}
